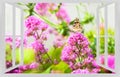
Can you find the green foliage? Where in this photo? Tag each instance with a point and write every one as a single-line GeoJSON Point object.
{"type": "Point", "coordinates": [8, 52]}
{"type": "Point", "coordinates": [55, 53]}
{"type": "Point", "coordinates": [31, 71]}
{"type": "Point", "coordinates": [92, 39]}
{"type": "Point", "coordinates": [48, 70]}
{"type": "Point", "coordinates": [62, 66]}
{"type": "Point", "coordinates": [91, 35]}
{"type": "Point", "coordinates": [46, 20]}
{"type": "Point", "coordinates": [63, 29]}
{"type": "Point", "coordinates": [30, 8]}
{"type": "Point", "coordinates": [111, 47]}
{"type": "Point", "coordinates": [111, 41]}
{"type": "Point", "coordinates": [57, 9]}
{"type": "Point", "coordinates": [88, 18]}
{"type": "Point", "coordinates": [29, 55]}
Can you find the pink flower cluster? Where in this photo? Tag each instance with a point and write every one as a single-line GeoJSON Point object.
{"type": "Point", "coordinates": [39, 30]}
{"type": "Point", "coordinates": [77, 44]}
{"type": "Point", "coordinates": [83, 71]}
{"type": "Point", "coordinates": [45, 8]}
{"type": "Point", "coordinates": [23, 68]}
{"type": "Point", "coordinates": [68, 54]}
{"type": "Point", "coordinates": [110, 62]}
{"type": "Point", "coordinates": [63, 15]}
{"type": "Point", "coordinates": [59, 41]}
{"type": "Point", "coordinates": [33, 24]}
{"type": "Point", "coordinates": [28, 66]}
{"type": "Point", "coordinates": [39, 47]}
{"type": "Point", "coordinates": [41, 8]}
{"type": "Point", "coordinates": [9, 40]}
{"type": "Point", "coordinates": [78, 54]}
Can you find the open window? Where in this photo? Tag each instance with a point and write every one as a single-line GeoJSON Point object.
{"type": "Point", "coordinates": [105, 35]}
{"type": "Point", "coordinates": [13, 36]}
{"type": "Point", "coordinates": [105, 44]}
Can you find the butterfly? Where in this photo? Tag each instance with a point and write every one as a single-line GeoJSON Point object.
{"type": "Point", "coordinates": [76, 26]}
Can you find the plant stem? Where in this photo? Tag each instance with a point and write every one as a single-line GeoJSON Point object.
{"type": "Point", "coordinates": [77, 55]}
{"type": "Point", "coordinates": [79, 52]}
{"type": "Point", "coordinates": [37, 35]}
{"type": "Point", "coordinates": [49, 58]}
{"type": "Point", "coordinates": [46, 20]}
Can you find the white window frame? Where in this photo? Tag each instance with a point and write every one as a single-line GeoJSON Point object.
{"type": "Point", "coordinates": [105, 36]}
{"type": "Point", "coordinates": [117, 41]}
{"type": "Point", "coordinates": [14, 36]}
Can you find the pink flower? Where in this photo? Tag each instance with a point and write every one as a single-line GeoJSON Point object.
{"type": "Point", "coordinates": [24, 67]}
{"type": "Point", "coordinates": [38, 47]}
{"type": "Point", "coordinates": [102, 59]}
{"type": "Point", "coordinates": [33, 65]}
{"type": "Point", "coordinates": [71, 65]}
{"type": "Point", "coordinates": [8, 40]}
{"type": "Point", "coordinates": [33, 23]}
{"type": "Point", "coordinates": [68, 54]}
{"type": "Point", "coordinates": [88, 60]}
{"type": "Point", "coordinates": [18, 42]}
{"type": "Point", "coordinates": [77, 53]}
{"type": "Point", "coordinates": [62, 15]}
{"type": "Point", "coordinates": [58, 42]}
{"type": "Point", "coordinates": [75, 45]}
{"type": "Point", "coordinates": [8, 64]}
{"type": "Point", "coordinates": [79, 39]}
{"type": "Point", "coordinates": [81, 71]}
{"type": "Point", "coordinates": [53, 6]}
{"type": "Point", "coordinates": [43, 26]}
{"type": "Point", "coordinates": [17, 71]}
{"type": "Point", "coordinates": [29, 32]}
{"type": "Point", "coordinates": [94, 63]}
{"type": "Point", "coordinates": [95, 70]}
{"type": "Point", "coordinates": [41, 8]}
{"type": "Point", "coordinates": [111, 61]}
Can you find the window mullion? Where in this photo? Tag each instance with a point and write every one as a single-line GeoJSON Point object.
{"type": "Point", "coordinates": [13, 36]}
{"type": "Point", "coordinates": [22, 38]}
{"type": "Point", "coordinates": [98, 35]}
{"type": "Point", "coordinates": [106, 37]}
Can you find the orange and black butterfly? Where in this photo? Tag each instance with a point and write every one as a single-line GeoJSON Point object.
{"type": "Point", "coordinates": [76, 26]}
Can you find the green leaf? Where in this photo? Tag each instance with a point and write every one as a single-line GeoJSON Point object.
{"type": "Point", "coordinates": [29, 55]}
{"type": "Point", "coordinates": [8, 48]}
{"type": "Point", "coordinates": [68, 70]}
{"type": "Point", "coordinates": [46, 20]}
{"type": "Point", "coordinates": [8, 52]}
{"type": "Point", "coordinates": [62, 66]}
{"type": "Point", "coordinates": [72, 22]}
{"type": "Point", "coordinates": [32, 71]}
{"type": "Point", "coordinates": [88, 18]}
{"type": "Point", "coordinates": [63, 29]}
{"type": "Point", "coordinates": [26, 10]}
{"type": "Point", "coordinates": [55, 53]}
{"type": "Point", "coordinates": [48, 70]}
{"type": "Point", "coordinates": [20, 4]}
